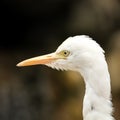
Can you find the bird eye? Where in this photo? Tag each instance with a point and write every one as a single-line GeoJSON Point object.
{"type": "Point", "coordinates": [65, 53]}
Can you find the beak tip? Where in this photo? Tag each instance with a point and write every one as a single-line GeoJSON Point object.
{"type": "Point", "coordinates": [19, 65]}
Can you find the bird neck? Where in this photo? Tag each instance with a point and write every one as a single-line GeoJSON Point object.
{"type": "Point", "coordinates": [97, 100]}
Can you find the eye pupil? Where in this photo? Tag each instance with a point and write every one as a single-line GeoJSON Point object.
{"type": "Point", "coordinates": [65, 53]}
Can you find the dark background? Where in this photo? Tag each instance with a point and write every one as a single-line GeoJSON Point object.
{"type": "Point", "coordinates": [31, 28]}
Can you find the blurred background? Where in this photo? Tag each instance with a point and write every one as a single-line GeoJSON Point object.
{"type": "Point", "coordinates": [31, 28]}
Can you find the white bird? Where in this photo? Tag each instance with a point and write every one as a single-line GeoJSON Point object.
{"type": "Point", "coordinates": [84, 55]}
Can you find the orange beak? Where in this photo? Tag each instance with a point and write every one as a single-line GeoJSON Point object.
{"type": "Point", "coordinates": [44, 59]}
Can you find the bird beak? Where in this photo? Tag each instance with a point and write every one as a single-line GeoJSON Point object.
{"type": "Point", "coordinates": [44, 59]}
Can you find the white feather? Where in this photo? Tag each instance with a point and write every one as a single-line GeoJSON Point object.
{"type": "Point", "coordinates": [86, 56]}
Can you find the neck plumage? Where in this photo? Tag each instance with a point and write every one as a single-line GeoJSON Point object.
{"type": "Point", "coordinates": [97, 103]}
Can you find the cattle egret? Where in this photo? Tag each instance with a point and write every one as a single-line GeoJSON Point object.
{"type": "Point", "coordinates": [84, 55]}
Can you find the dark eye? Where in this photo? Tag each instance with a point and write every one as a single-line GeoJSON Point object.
{"type": "Point", "coordinates": [65, 52]}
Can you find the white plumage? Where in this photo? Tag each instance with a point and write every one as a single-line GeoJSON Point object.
{"type": "Point", "coordinates": [84, 55]}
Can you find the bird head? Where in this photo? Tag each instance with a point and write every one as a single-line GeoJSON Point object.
{"type": "Point", "coordinates": [74, 53]}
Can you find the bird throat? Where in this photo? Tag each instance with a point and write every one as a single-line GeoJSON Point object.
{"type": "Point", "coordinates": [97, 103]}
